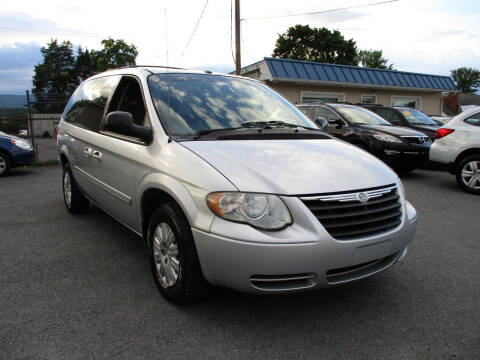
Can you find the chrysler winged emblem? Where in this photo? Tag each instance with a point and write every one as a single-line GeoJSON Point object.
{"type": "Point", "coordinates": [362, 197]}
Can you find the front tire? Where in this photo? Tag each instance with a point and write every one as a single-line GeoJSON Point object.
{"type": "Point", "coordinates": [75, 202]}
{"type": "Point", "coordinates": [468, 174]}
{"type": "Point", "coordinates": [173, 256]}
{"type": "Point", "coordinates": [5, 164]}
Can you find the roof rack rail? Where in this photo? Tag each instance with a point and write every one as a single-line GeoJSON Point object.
{"type": "Point", "coordinates": [151, 66]}
{"type": "Point", "coordinates": [364, 104]}
{"type": "Point", "coordinates": [309, 102]}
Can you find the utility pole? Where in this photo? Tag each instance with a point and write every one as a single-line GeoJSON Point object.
{"type": "Point", "coordinates": [238, 58]}
{"type": "Point", "coordinates": [30, 124]}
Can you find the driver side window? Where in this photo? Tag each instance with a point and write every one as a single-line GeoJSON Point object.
{"type": "Point", "coordinates": [128, 97]}
{"type": "Point", "coordinates": [326, 113]}
{"type": "Point", "coordinates": [390, 115]}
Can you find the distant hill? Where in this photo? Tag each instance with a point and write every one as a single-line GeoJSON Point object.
{"type": "Point", "coordinates": [13, 101]}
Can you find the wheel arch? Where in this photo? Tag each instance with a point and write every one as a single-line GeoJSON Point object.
{"type": "Point", "coordinates": [7, 154]}
{"type": "Point", "coordinates": [157, 189]}
{"type": "Point", "coordinates": [463, 155]}
{"type": "Point", "coordinates": [64, 155]}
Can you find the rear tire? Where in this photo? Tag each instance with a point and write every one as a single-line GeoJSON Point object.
{"type": "Point", "coordinates": [5, 163]}
{"type": "Point", "coordinates": [75, 202]}
{"type": "Point", "coordinates": [468, 174]}
{"type": "Point", "coordinates": [173, 256]}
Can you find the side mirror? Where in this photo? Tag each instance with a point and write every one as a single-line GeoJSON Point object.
{"type": "Point", "coordinates": [321, 122]}
{"type": "Point", "coordinates": [337, 122]}
{"type": "Point", "coordinates": [121, 122]}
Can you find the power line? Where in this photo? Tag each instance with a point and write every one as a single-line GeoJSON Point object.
{"type": "Point", "coordinates": [194, 29]}
{"type": "Point", "coordinates": [320, 12]}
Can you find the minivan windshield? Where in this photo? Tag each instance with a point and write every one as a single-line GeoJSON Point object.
{"type": "Point", "coordinates": [416, 117]}
{"type": "Point", "coordinates": [358, 115]}
{"type": "Point", "coordinates": [189, 104]}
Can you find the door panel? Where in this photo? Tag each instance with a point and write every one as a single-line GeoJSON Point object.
{"type": "Point", "coordinates": [113, 170]}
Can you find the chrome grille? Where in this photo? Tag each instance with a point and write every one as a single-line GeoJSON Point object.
{"type": "Point", "coordinates": [350, 215]}
{"type": "Point", "coordinates": [416, 139]}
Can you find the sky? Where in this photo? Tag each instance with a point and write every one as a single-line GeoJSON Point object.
{"type": "Point", "coordinates": [429, 36]}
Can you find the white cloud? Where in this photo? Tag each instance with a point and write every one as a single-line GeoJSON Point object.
{"type": "Point", "coordinates": [424, 36]}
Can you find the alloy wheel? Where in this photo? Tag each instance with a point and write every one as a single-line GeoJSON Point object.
{"type": "Point", "coordinates": [67, 189]}
{"type": "Point", "coordinates": [3, 164]}
{"type": "Point", "coordinates": [471, 174]}
{"type": "Point", "coordinates": [165, 253]}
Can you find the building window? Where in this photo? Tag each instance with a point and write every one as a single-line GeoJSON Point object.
{"type": "Point", "coordinates": [314, 96]}
{"type": "Point", "coordinates": [368, 99]}
{"type": "Point", "coordinates": [407, 101]}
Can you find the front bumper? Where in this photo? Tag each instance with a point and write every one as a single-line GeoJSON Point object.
{"type": "Point", "coordinates": [23, 157]}
{"type": "Point", "coordinates": [403, 155]}
{"type": "Point", "coordinates": [301, 257]}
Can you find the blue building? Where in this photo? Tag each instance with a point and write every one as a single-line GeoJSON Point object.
{"type": "Point", "coordinates": [305, 81]}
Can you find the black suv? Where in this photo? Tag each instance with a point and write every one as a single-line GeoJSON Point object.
{"type": "Point", "coordinates": [405, 116]}
{"type": "Point", "coordinates": [401, 148]}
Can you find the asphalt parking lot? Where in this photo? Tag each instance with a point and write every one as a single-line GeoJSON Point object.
{"type": "Point", "coordinates": [77, 287]}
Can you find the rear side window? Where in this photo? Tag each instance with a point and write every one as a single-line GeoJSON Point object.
{"type": "Point", "coordinates": [87, 104]}
{"type": "Point", "coordinates": [473, 120]}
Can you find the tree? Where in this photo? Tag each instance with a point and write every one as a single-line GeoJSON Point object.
{"type": "Point", "coordinates": [373, 59]}
{"type": "Point", "coordinates": [115, 53]}
{"type": "Point", "coordinates": [60, 72]}
{"type": "Point", "coordinates": [467, 79]}
{"type": "Point", "coordinates": [54, 78]}
{"type": "Point", "coordinates": [85, 65]}
{"type": "Point", "coordinates": [301, 42]}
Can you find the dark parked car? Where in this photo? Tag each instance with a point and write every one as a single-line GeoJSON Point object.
{"type": "Point", "coordinates": [408, 117]}
{"type": "Point", "coordinates": [14, 152]}
{"type": "Point", "coordinates": [401, 148]}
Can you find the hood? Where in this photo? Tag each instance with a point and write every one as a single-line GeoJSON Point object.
{"type": "Point", "coordinates": [393, 130]}
{"type": "Point", "coordinates": [7, 136]}
{"type": "Point", "coordinates": [293, 167]}
{"type": "Point", "coordinates": [427, 129]}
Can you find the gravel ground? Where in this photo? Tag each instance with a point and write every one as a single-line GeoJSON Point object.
{"type": "Point", "coordinates": [80, 287]}
{"type": "Point", "coordinates": [47, 150]}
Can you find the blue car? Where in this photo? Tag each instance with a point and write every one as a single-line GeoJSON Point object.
{"type": "Point", "coordinates": [14, 152]}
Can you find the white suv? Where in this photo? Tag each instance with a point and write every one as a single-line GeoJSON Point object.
{"type": "Point", "coordinates": [458, 149]}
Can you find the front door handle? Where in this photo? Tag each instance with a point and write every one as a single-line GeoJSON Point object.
{"type": "Point", "coordinates": [97, 155]}
{"type": "Point", "coordinates": [87, 151]}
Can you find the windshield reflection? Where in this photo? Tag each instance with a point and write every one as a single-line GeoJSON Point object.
{"type": "Point", "coordinates": [357, 115]}
{"type": "Point", "coordinates": [190, 103]}
{"type": "Point", "coordinates": [417, 117]}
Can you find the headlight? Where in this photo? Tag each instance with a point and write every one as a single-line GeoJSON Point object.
{"type": "Point", "coordinates": [387, 138]}
{"type": "Point", "coordinates": [263, 211]}
{"type": "Point", "coordinates": [22, 144]}
{"type": "Point", "coordinates": [402, 187]}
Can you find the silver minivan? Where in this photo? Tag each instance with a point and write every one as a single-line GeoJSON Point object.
{"type": "Point", "coordinates": [228, 183]}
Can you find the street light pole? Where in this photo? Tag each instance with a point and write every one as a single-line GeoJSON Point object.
{"type": "Point", "coordinates": [238, 58]}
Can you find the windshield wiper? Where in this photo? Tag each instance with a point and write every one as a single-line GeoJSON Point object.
{"type": "Point", "coordinates": [271, 124]}
{"type": "Point", "coordinates": [201, 133]}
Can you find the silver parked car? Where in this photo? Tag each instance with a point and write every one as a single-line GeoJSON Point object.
{"type": "Point", "coordinates": [457, 148]}
{"type": "Point", "coordinates": [228, 183]}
